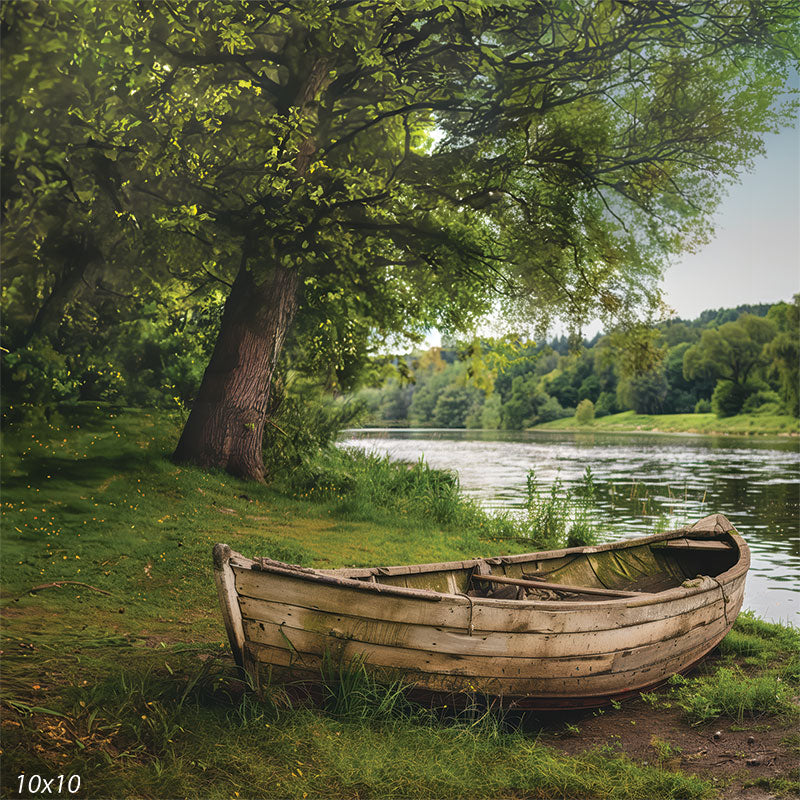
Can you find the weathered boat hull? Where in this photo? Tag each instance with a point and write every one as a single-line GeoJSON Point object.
{"type": "Point", "coordinates": [419, 623]}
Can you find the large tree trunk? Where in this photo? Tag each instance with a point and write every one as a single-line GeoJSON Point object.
{"type": "Point", "coordinates": [226, 425]}
{"type": "Point", "coordinates": [79, 265]}
{"type": "Point", "coordinates": [225, 428]}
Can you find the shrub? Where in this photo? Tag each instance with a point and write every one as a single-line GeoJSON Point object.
{"type": "Point", "coordinates": [702, 406]}
{"type": "Point", "coordinates": [152, 356]}
{"type": "Point", "coordinates": [729, 397]}
{"type": "Point", "coordinates": [764, 401]}
{"type": "Point", "coordinates": [584, 414]}
{"type": "Point", "coordinates": [606, 404]}
{"type": "Point", "coordinates": [550, 410]}
{"type": "Point", "coordinates": [39, 375]}
{"type": "Point", "coordinates": [304, 424]}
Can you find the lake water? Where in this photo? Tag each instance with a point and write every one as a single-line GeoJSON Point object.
{"type": "Point", "coordinates": [643, 481]}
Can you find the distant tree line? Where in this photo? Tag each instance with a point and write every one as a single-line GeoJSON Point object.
{"type": "Point", "coordinates": [729, 361]}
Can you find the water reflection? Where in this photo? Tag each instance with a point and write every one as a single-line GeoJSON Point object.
{"type": "Point", "coordinates": [643, 482]}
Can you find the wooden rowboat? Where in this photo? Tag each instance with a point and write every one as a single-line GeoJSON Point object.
{"type": "Point", "coordinates": [574, 627]}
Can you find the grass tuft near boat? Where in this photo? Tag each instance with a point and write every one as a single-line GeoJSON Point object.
{"type": "Point", "coordinates": [573, 627]}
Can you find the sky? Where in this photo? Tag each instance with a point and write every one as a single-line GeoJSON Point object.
{"type": "Point", "coordinates": [755, 255]}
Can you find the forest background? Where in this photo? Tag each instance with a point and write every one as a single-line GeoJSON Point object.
{"type": "Point", "coordinates": [730, 361]}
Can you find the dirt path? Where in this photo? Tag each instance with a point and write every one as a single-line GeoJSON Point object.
{"type": "Point", "coordinates": [749, 761]}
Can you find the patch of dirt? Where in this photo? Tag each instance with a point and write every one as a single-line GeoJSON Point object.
{"type": "Point", "coordinates": [190, 616]}
{"type": "Point", "coordinates": [9, 612]}
{"type": "Point", "coordinates": [54, 739]}
{"type": "Point", "coordinates": [107, 482]}
{"type": "Point", "coordinates": [730, 755]}
{"type": "Point", "coordinates": [24, 608]}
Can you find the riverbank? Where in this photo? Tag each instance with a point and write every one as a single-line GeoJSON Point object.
{"type": "Point", "coordinates": [703, 424]}
{"type": "Point", "coordinates": [116, 667]}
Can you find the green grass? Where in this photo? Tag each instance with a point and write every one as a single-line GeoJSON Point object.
{"type": "Point", "coordinates": [350, 691]}
{"type": "Point", "coordinates": [128, 681]}
{"type": "Point", "coordinates": [559, 517]}
{"type": "Point", "coordinates": [190, 731]}
{"type": "Point", "coordinates": [769, 652]}
{"type": "Point", "coordinates": [755, 673]}
{"type": "Point", "coordinates": [757, 643]}
{"type": "Point", "coordinates": [100, 501]}
{"type": "Point", "coordinates": [629, 421]}
{"type": "Point", "coordinates": [730, 693]}
{"type": "Point", "coordinates": [367, 487]}
{"type": "Point", "coordinates": [665, 752]}
{"type": "Point", "coordinates": [783, 785]}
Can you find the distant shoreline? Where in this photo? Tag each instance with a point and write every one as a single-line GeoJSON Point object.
{"type": "Point", "coordinates": [781, 425]}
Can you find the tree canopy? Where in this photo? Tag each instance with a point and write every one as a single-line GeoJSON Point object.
{"type": "Point", "coordinates": [348, 169]}
{"type": "Point", "coordinates": [732, 351]}
{"type": "Point", "coordinates": [783, 353]}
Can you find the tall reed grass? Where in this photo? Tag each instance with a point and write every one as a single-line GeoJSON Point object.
{"type": "Point", "coordinates": [359, 485]}
{"type": "Point", "coordinates": [560, 517]}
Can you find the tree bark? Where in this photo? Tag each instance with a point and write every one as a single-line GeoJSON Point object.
{"type": "Point", "coordinates": [226, 425]}
{"type": "Point", "coordinates": [225, 428]}
{"type": "Point", "coordinates": [79, 262]}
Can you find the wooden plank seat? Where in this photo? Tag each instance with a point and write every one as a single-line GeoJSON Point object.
{"type": "Point", "coordinates": [693, 544]}
{"type": "Point", "coordinates": [558, 587]}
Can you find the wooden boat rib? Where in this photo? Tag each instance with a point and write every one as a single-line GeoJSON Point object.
{"type": "Point", "coordinates": [572, 627]}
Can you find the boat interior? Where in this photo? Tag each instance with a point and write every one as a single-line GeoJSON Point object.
{"type": "Point", "coordinates": [581, 574]}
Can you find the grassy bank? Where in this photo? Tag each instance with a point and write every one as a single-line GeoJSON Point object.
{"type": "Point", "coordinates": [709, 424]}
{"type": "Point", "coordinates": [116, 668]}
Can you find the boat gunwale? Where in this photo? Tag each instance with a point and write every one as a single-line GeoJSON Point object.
{"type": "Point", "coordinates": [335, 578]}
{"type": "Point", "coordinates": [619, 544]}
